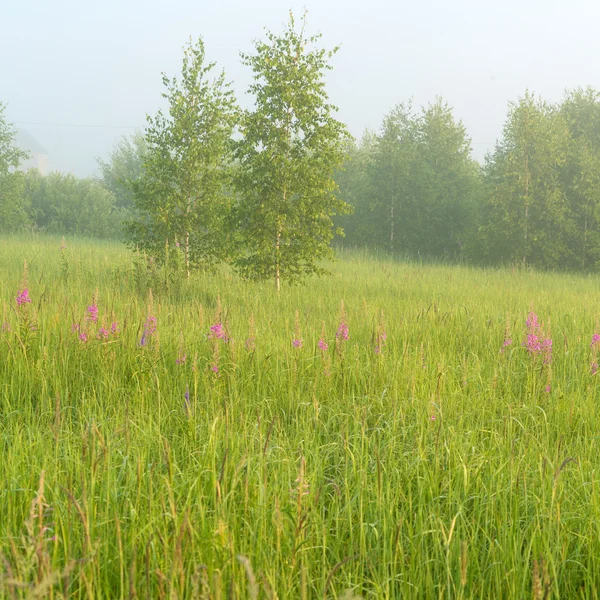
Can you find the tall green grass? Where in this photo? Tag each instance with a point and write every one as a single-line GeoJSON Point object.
{"type": "Point", "coordinates": [438, 468]}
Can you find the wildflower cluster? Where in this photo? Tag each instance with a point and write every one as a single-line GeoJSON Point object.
{"type": "Point", "coordinates": [342, 334]}
{"type": "Point", "coordinates": [536, 341]}
{"type": "Point", "coordinates": [23, 297]}
{"type": "Point", "coordinates": [217, 332]}
{"type": "Point", "coordinates": [86, 329]}
{"type": "Point", "coordinates": [149, 330]}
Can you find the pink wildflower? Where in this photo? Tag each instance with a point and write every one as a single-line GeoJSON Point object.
{"type": "Point", "coordinates": [5, 326]}
{"type": "Point", "coordinates": [83, 337]}
{"type": "Point", "coordinates": [92, 313]}
{"type": "Point", "coordinates": [217, 332]}
{"type": "Point", "coordinates": [548, 389]}
{"type": "Point", "coordinates": [181, 360]}
{"type": "Point", "coordinates": [114, 327]}
{"type": "Point", "coordinates": [323, 345]}
{"type": "Point", "coordinates": [342, 333]}
{"type": "Point", "coordinates": [23, 297]}
{"type": "Point", "coordinates": [595, 340]}
{"type": "Point", "coordinates": [535, 342]}
{"type": "Point", "coordinates": [532, 321]}
{"type": "Point", "coordinates": [150, 325]}
{"type": "Point", "coordinates": [594, 368]}
{"type": "Point", "coordinates": [297, 343]}
{"type": "Point", "coordinates": [102, 333]}
{"type": "Point", "coordinates": [149, 330]}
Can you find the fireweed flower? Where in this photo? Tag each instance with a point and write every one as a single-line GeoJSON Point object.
{"type": "Point", "coordinates": [23, 297]}
{"type": "Point", "coordinates": [548, 389]}
{"type": "Point", "coordinates": [83, 337]}
{"type": "Point", "coordinates": [595, 340]}
{"type": "Point", "coordinates": [535, 341]}
{"type": "Point", "coordinates": [532, 321]}
{"type": "Point", "coordinates": [149, 330]}
{"type": "Point", "coordinates": [102, 333]}
{"type": "Point", "coordinates": [297, 343]}
{"type": "Point", "coordinates": [181, 359]}
{"type": "Point", "coordinates": [507, 342]}
{"type": "Point", "coordinates": [5, 326]}
{"type": "Point", "coordinates": [92, 311]}
{"type": "Point", "coordinates": [594, 368]}
{"type": "Point", "coordinates": [150, 325]}
{"type": "Point", "coordinates": [114, 327]}
{"type": "Point", "coordinates": [323, 345]}
{"type": "Point", "coordinates": [217, 332]}
{"type": "Point", "coordinates": [343, 332]}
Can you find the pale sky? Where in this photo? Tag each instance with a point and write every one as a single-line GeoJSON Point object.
{"type": "Point", "coordinates": [78, 74]}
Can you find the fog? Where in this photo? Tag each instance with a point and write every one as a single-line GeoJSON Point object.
{"type": "Point", "coordinates": [79, 75]}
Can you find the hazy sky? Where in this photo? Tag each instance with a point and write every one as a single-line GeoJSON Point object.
{"type": "Point", "coordinates": [78, 74]}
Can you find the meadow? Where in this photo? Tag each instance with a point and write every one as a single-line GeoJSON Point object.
{"type": "Point", "coordinates": [379, 433]}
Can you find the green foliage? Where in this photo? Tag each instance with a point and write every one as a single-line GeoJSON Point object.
{"type": "Point", "coordinates": [580, 175]}
{"type": "Point", "coordinates": [451, 182]}
{"type": "Point", "coordinates": [290, 149]}
{"type": "Point", "coordinates": [415, 186]}
{"type": "Point", "coordinates": [10, 155]}
{"type": "Point", "coordinates": [527, 217]}
{"type": "Point", "coordinates": [66, 205]}
{"type": "Point", "coordinates": [13, 207]}
{"type": "Point", "coordinates": [354, 183]}
{"type": "Point", "coordinates": [13, 203]}
{"type": "Point", "coordinates": [395, 182]}
{"type": "Point", "coordinates": [183, 193]}
{"type": "Point", "coordinates": [122, 168]}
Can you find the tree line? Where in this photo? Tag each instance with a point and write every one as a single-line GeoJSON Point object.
{"type": "Point", "coordinates": [417, 191]}
{"type": "Point", "coordinates": [266, 189]}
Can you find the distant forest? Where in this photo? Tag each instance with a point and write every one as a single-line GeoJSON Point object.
{"type": "Point", "coordinates": [414, 188]}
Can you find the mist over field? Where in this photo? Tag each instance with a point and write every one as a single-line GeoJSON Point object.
{"type": "Point", "coordinates": [78, 79]}
{"type": "Point", "coordinates": [299, 303]}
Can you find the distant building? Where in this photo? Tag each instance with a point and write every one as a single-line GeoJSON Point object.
{"type": "Point", "coordinates": [38, 157]}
